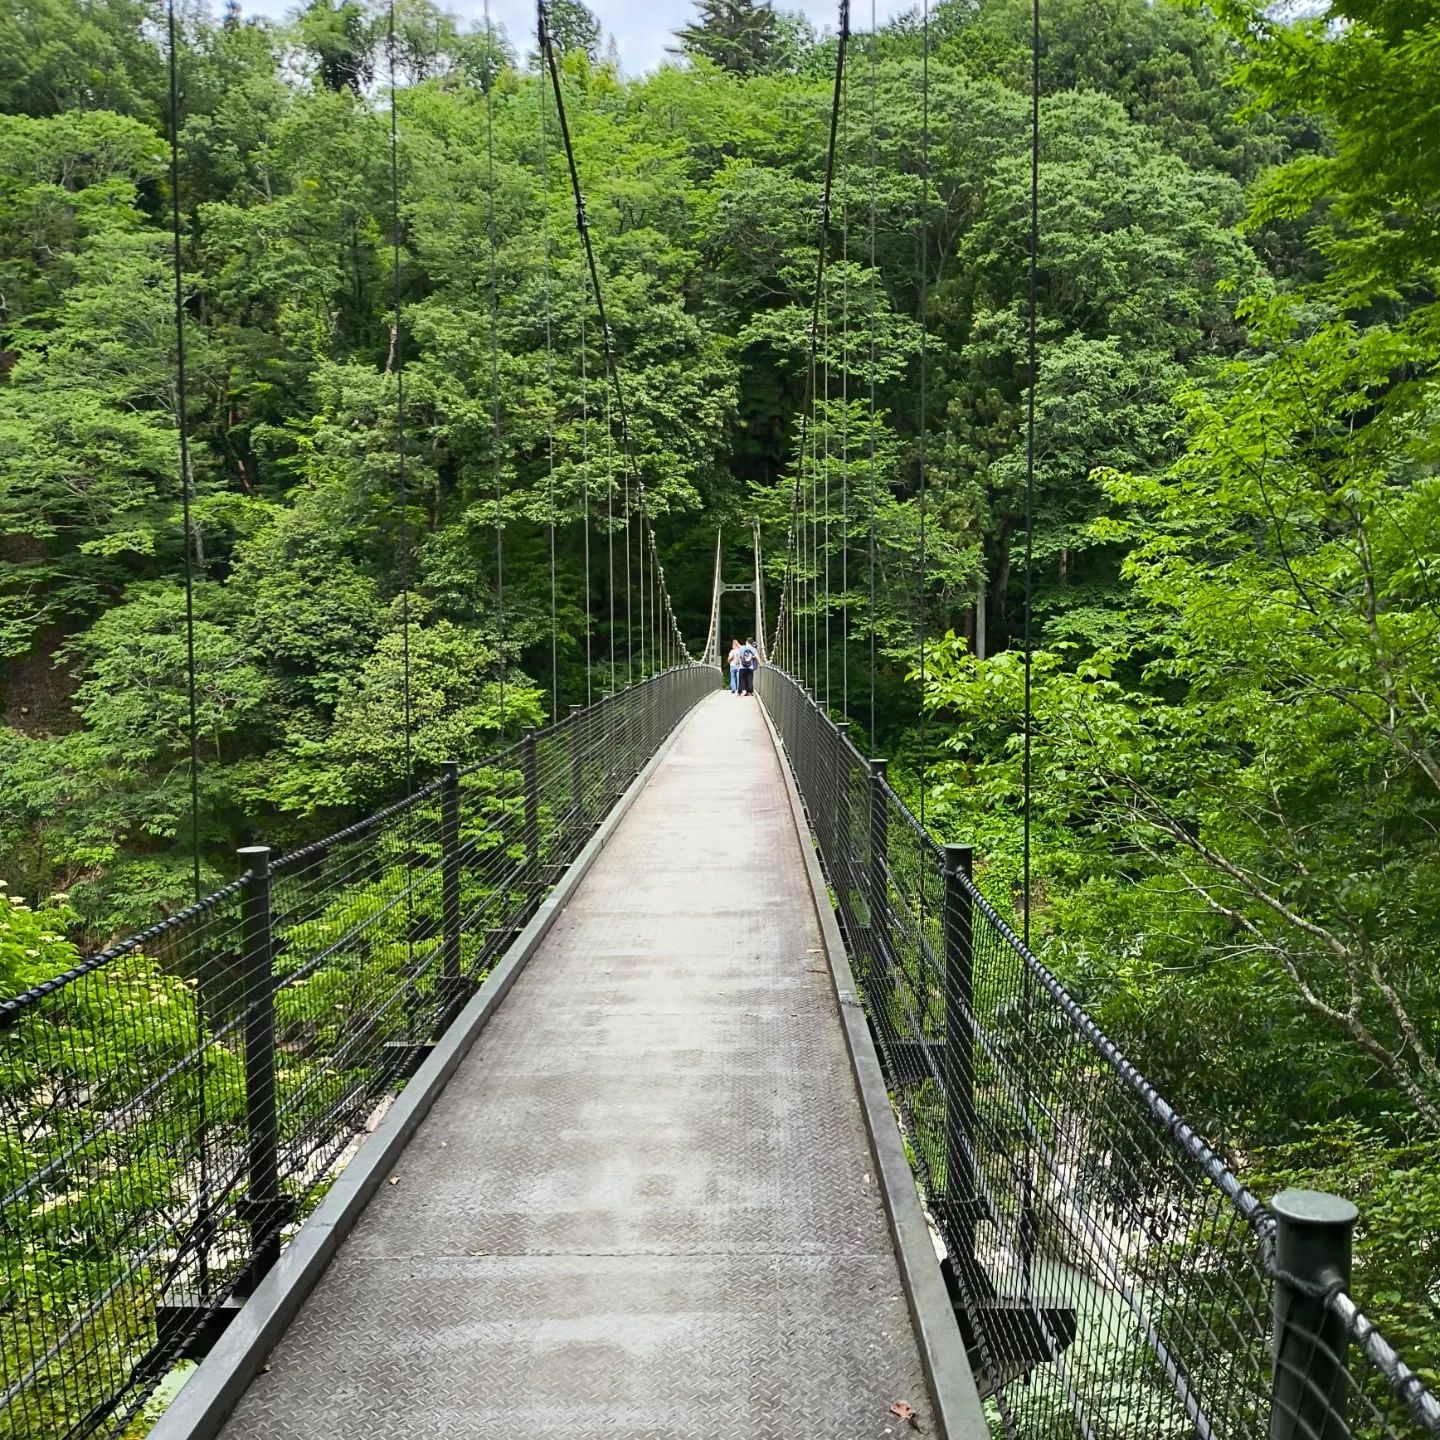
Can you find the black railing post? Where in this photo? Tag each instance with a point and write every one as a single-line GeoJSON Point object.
{"type": "Point", "coordinates": [839, 782]}
{"type": "Point", "coordinates": [530, 768]}
{"type": "Point", "coordinates": [961, 1191]}
{"type": "Point", "coordinates": [1313, 1233]}
{"type": "Point", "coordinates": [450, 873]}
{"type": "Point", "coordinates": [645, 701]}
{"type": "Point", "coordinates": [877, 888]}
{"type": "Point", "coordinates": [577, 775]}
{"type": "Point", "coordinates": [261, 1208]}
{"type": "Point", "coordinates": [812, 720]}
{"type": "Point", "coordinates": [608, 731]}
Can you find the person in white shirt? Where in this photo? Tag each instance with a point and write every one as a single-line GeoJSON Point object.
{"type": "Point", "coordinates": [749, 664]}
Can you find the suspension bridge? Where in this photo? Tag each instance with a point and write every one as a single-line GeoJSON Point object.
{"type": "Point", "coordinates": [659, 1075]}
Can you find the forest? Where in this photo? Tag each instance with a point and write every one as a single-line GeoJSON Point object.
{"type": "Point", "coordinates": [1235, 548]}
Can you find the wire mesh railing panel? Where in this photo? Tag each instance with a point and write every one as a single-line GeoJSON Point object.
{"type": "Point", "coordinates": [121, 1115]}
{"type": "Point", "coordinates": [1111, 1277]}
{"type": "Point", "coordinates": [172, 1108]}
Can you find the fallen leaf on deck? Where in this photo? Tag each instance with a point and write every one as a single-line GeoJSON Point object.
{"type": "Point", "coordinates": [906, 1412]}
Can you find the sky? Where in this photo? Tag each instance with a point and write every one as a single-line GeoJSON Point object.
{"type": "Point", "coordinates": [642, 28]}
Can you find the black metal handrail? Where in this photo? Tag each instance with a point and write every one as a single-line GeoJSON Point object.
{"type": "Point", "coordinates": [1111, 1274]}
{"type": "Point", "coordinates": [173, 1106]}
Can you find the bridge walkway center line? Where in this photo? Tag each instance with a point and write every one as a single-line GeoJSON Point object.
{"type": "Point", "coordinates": [644, 1207]}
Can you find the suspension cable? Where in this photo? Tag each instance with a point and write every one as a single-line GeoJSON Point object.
{"type": "Point", "coordinates": [825, 479]}
{"type": "Point", "coordinates": [845, 403]}
{"type": "Point", "coordinates": [205, 1233]}
{"type": "Point", "coordinates": [610, 531]}
{"type": "Point", "coordinates": [582, 226]}
{"type": "Point", "coordinates": [585, 480]}
{"type": "Point", "coordinates": [924, 361]}
{"type": "Point", "coordinates": [874, 348]}
{"type": "Point", "coordinates": [182, 426]}
{"type": "Point", "coordinates": [795, 539]}
{"type": "Point", "coordinates": [643, 584]}
{"type": "Point", "coordinates": [814, 606]}
{"type": "Point", "coordinates": [629, 577]}
{"type": "Point", "coordinates": [500, 647]}
{"type": "Point", "coordinates": [812, 565]}
{"type": "Point", "coordinates": [398, 359]}
{"type": "Point", "coordinates": [1029, 1227]}
{"type": "Point", "coordinates": [549, 400]}
{"type": "Point", "coordinates": [1031, 369]}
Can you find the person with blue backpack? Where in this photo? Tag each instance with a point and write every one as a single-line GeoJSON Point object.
{"type": "Point", "coordinates": [749, 664]}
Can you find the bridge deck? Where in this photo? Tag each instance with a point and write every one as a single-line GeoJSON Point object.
{"type": "Point", "coordinates": [644, 1206]}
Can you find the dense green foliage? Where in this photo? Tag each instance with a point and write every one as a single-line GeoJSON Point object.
{"type": "Point", "coordinates": [1236, 528]}
{"type": "Point", "coordinates": [1235, 760]}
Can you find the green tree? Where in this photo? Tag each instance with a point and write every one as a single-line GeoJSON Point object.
{"type": "Point", "coordinates": [1236, 782]}
{"type": "Point", "coordinates": [341, 38]}
{"type": "Point", "coordinates": [741, 36]}
{"type": "Point", "coordinates": [574, 27]}
{"type": "Point", "coordinates": [72, 55]}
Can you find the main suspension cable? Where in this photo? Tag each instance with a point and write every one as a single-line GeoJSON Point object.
{"type": "Point", "coordinates": [582, 226]}
{"type": "Point", "coordinates": [795, 539]}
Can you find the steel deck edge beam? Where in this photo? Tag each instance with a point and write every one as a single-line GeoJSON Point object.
{"type": "Point", "coordinates": [204, 1404]}
{"type": "Point", "coordinates": [958, 1414]}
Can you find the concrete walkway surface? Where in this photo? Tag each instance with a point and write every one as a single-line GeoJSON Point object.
{"type": "Point", "coordinates": [644, 1208]}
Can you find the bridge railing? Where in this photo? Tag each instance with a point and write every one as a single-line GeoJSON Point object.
{"type": "Point", "coordinates": [1112, 1276]}
{"type": "Point", "coordinates": [171, 1108]}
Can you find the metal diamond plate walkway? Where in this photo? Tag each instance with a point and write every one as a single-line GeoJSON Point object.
{"type": "Point", "coordinates": [645, 1205]}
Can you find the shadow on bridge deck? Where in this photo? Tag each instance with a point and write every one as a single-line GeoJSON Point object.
{"type": "Point", "coordinates": [645, 1204]}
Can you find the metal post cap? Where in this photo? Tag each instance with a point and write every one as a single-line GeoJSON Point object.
{"type": "Point", "coordinates": [959, 858]}
{"type": "Point", "coordinates": [1314, 1208]}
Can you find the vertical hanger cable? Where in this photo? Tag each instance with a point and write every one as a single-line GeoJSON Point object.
{"type": "Point", "coordinates": [551, 65]}
{"type": "Point", "coordinates": [549, 400]}
{"type": "Point", "coordinates": [491, 70]}
{"type": "Point", "coordinates": [796, 572]}
{"type": "Point", "coordinates": [182, 425]}
{"type": "Point", "coordinates": [924, 363]}
{"type": "Point", "coordinates": [1031, 373]}
{"type": "Point", "coordinates": [874, 282]}
{"type": "Point", "coordinates": [845, 403]}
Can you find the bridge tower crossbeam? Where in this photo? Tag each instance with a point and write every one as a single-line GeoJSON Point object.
{"type": "Point", "coordinates": [755, 587]}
